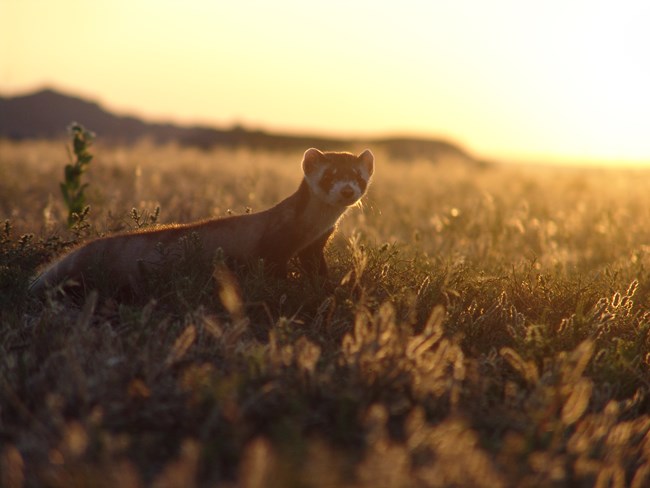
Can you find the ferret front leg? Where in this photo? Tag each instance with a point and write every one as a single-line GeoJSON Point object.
{"type": "Point", "coordinates": [312, 258]}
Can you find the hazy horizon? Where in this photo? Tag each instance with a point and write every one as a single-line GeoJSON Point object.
{"type": "Point", "coordinates": [563, 82]}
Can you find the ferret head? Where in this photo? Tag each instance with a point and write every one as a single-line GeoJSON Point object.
{"type": "Point", "coordinates": [338, 178]}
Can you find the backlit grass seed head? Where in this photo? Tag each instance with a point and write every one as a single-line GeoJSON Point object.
{"type": "Point", "coordinates": [280, 354]}
{"type": "Point", "coordinates": [359, 256]}
{"type": "Point", "coordinates": [577, 362]}
{"type": "Point", "coordinates": [181, 345]}
{"type": "Point", "coordinates": [285, 353]}
{"type": "Point", "coordinates": [457, 458]}
{"type": "Point", "coordinates": [431, 334]}
{"type": "Point", "coordinates": [257, 464]}
{"type": "Point", "coordinates": [374, 423]}
{"type": "Point", "coordinates": [229, 291]}
{"type": "Point", "coordinates": [306, 355]}
{"type": "Point", "coordinates": [181, 471]}
{"type": "Point", "coordinates": [526, 369]}
{"type": "Point", "coordinates": [617, 317]}
{"type": "Point", "coordinates": [212, 326]}
{"type": "Point", "coordinates": [12, 467]}
{"type": "Point", "coordinates": [577, 401]}
{"type": "Point", "coordinates": [432, 366]}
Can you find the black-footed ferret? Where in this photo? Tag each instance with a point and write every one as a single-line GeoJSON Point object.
{"type": "Point", "coordinates": [298, 226]}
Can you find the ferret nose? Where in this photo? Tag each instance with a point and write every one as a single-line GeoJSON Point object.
{"type": "Point", "coordinates": [347, 192]}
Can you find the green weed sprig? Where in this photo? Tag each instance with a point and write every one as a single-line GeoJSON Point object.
{"type": "Point", "coordinates": [71, 188]}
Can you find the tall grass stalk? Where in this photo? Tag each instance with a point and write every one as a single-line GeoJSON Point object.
{"type": "Point", "coordinates": [72, 189]}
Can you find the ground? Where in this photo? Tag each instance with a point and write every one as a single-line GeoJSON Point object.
{"type": "Point", "coordinates": [482, 327]}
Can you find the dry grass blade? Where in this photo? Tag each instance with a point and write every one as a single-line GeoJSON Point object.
{"type": "Point", "coordinates": [577, 402]}
{"type": "Point", "coordinates": [229, 291]}
{"type": "Point", "coordinates": [181, 345]}
{"type": "Point", "coordinates": [12, 468]}
{"type": "Point", "coordinates": [526, 369]}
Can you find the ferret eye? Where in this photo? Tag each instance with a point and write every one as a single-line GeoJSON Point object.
{"type": "Point", "coordinates": [327, 180]}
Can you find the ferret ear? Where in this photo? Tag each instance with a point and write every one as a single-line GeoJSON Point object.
{"type": "Point", "coordinates": [310, 160]}
{"type": "Point", "coordinates": [368, 160]}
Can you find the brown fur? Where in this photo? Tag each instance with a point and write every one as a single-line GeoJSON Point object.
{"type": "Point", "coordinates": [299, 226]}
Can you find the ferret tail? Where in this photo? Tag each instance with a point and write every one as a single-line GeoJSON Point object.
{"type": "Point", "coordinates": [48, 278]}
{"type": "Point", "coordinates": [56, 273]}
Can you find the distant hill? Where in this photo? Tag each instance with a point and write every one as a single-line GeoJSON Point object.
{"type": "Point", "coordinates": [47, 113]}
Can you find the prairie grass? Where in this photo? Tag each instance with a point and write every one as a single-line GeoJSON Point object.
{"type": "Point", "coordinates": [486, 327]}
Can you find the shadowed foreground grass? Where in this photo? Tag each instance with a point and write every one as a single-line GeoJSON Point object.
{"type": "Point", "coordinates": [485, 328]}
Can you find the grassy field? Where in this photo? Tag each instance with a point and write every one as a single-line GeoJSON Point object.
{"type": "Point", "coordinates": [485, 327]}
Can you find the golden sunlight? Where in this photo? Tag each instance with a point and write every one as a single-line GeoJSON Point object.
{"type": "Point", "coordinates": [558, 81]}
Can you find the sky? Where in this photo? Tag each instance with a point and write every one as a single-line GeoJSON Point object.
{"type": "Point", "coordinates": [535, 81]}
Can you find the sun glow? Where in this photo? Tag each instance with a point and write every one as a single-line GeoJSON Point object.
{"type": "Point", "coordinates": [557, 81]}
